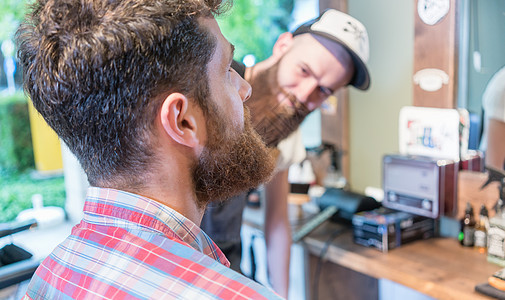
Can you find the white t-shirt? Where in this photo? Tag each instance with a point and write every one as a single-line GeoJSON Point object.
{"type": "Point", "coordinates": [493, 102]}
{"type": "Point", "coordinates": [292, 151]}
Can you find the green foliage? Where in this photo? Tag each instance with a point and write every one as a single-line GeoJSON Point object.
{"type": "Point", "coordinates": [15, 134]}
{"type": "Point", "coordinates": [11, 14]}
{"type": "Point", "coordinates": [253, 26]}
{"type": "Point", "coordinates": [16, 191]}
{"type": "Point", "coordinates": [16, 154]}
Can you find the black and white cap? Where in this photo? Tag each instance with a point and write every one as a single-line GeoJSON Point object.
{"type": "Point", "coordinates": [334, 26]}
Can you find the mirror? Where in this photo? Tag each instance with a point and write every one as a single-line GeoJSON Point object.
{"type": "Point", "coordinates": [481, 54]}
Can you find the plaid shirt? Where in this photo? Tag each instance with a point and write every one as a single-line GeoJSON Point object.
{"type": "Point", "coordinates": [128, 246]}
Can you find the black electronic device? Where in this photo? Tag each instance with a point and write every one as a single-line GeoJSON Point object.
{"type": "Point", "coordinates": [385, 228]}
{"type": "Point", "coordinates": [338, 206]}
{"type": "Point", "coordinates": [348, 203]}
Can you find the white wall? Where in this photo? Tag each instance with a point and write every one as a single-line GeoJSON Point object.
{"type": "Point", "coordinates": [374, 114]}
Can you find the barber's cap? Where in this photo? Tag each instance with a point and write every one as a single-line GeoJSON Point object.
{"type": "Point", "coordinates": [335, 26]}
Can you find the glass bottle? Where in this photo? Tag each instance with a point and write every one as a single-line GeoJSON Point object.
{"type": "Point", "coordinates": [467, 227]}
{"type": "Point", "coordinates": [481, 227]}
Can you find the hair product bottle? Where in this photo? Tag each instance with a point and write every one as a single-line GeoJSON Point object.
{"type": "Point", "coordinates": [481, 228]}
{"type": "Point", "coordinates": [496, 232]}
{"type": "Point", "coordinates": [467, 227]}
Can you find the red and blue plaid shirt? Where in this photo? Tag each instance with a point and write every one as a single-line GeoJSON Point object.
{"type": "Point", "coordinates": [131, 247]}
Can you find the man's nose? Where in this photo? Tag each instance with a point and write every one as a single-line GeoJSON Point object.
{"type": "Point", "coordinates": [306, 89]}
{"type": "Point", "coordinates": [245, 90]}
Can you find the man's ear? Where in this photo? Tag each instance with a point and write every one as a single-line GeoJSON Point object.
{"type": "Point", "coordinates": [178, 121]}
{"type": "Point", "coordinates": [282, 45]}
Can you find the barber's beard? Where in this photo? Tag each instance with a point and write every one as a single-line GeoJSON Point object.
{"type": "Point", "coordinates": [232, 162]}
{"type": "Point", "coordinates": [274, 120]}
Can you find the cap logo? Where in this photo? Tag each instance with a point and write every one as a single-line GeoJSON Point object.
{"type": "Point", "coordinates": [359, 34]}
{"type": "Point", "coordinates": [346, 29]}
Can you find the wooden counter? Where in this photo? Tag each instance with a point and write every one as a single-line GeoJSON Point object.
{"type": "Point", "coordinates": [438, 267]}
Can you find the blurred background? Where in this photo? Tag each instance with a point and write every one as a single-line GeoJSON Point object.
{"type": "Point", "coordinates": [30, 153]}
{"type": "Point", "coordinates": [36, 171]}
{"type": "Point", "coordinates": [28, 165]}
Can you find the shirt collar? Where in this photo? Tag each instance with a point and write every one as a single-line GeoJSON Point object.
{"type": "Point", "coordinates": [110, 207]}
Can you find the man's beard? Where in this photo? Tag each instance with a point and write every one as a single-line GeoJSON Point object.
{"type": "Point", "coordinates": [273, 120]}
{"type": "Point", "coordinates": [232, 164]}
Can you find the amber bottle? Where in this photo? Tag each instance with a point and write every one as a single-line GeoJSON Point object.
{"type": "Point", "coordinates": [467, 227]}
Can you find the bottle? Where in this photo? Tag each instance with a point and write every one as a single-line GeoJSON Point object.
{"type": "Point", "coordinates": [467, 227]}
{"type": "Point", "coordinates": [481, 228]}
{"type": "Point", "coordinates": [496, 231]}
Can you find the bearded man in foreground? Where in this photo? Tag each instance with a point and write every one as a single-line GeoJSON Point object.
{"type": "Point", "coordinates": [143, 94]}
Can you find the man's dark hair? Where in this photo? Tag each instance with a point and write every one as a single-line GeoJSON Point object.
{"type": "Point", "coordinates": [97, 71]}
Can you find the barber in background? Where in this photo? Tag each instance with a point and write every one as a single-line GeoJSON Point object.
{"type": "Point", "coordinates": [306, 67]}
{"type": "Point", "coordinates": [493, 140]}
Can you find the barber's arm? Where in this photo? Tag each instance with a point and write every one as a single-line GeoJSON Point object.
{"type": "Point", "coordinates": [495, 153]}
{"type": "Point", "coordinates": [278, 232]}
